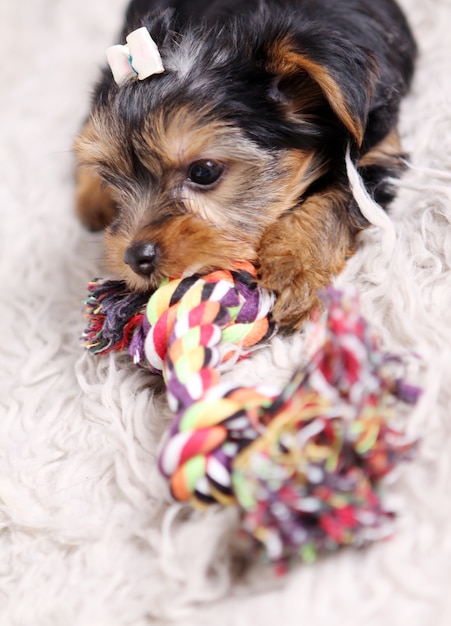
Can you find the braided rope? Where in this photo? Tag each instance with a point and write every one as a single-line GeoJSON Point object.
{"type": "Point", "coordinates": [303, 464]}
{"type": "Point", "coordinates": [195, 326]}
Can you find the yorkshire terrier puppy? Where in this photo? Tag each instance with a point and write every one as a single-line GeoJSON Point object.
{"type": "Point", "coordinates": [236, 151]}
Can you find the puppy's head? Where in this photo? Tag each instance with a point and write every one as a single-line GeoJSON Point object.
{"type": "Point", "coordinates": [237, 131]}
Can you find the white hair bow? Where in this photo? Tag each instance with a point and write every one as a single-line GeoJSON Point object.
{"type": "Point", "coordinates": [140, 57]}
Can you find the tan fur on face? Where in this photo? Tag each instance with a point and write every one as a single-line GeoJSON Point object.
{"type": "Point", "coordinates": [100, 146]}
{"type": "Point", "coordinates": [194, 228]}
{"type": "Point", "coordinates": [256, 186]}
{"type": "Point", "coordinates": [189, 245]}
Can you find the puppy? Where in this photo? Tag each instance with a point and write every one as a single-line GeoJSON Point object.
{"type": "Point", "coordinates": [236, 151]}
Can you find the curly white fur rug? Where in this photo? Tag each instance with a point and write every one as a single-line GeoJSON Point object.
{"type": "Point", "coordinates": [87, 537]}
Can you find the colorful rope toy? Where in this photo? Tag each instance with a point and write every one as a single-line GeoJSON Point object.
{"type": "Point", "coordinates": [303, 464]}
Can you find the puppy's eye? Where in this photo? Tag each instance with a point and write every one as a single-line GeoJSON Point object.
{"type": "Point", "coordinates": [205, 172]}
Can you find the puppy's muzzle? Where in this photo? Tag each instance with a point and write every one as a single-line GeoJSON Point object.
{"type": "Point", "coordinates": [141, 257]}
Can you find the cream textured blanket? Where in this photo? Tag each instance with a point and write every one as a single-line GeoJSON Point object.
{"type": "Point", "coordinates": [87, 535]}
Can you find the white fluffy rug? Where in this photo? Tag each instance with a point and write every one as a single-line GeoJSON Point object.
{"type": "Point", "coordinates": [87, 537]}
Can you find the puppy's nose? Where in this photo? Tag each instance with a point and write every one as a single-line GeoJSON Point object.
{"type": "Point", "coordinates": [141, 257]}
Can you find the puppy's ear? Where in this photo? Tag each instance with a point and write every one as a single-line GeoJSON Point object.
{"type": "Point", "coordinates": [345, 76]}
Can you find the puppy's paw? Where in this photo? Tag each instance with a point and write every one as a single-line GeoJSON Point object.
{"type": "Point", "coordinates": [299, 256]}
{"type": "Point", "coordinates": [296, 288]}
{"type": "Point", "coordinates": [95, 206]}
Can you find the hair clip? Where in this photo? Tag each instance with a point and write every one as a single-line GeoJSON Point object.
{"type": "Point", "coordinates": [140, 57]}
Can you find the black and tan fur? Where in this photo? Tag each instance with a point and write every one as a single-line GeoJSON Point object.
{"type": "Point", "coordinates": [270, 92]}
